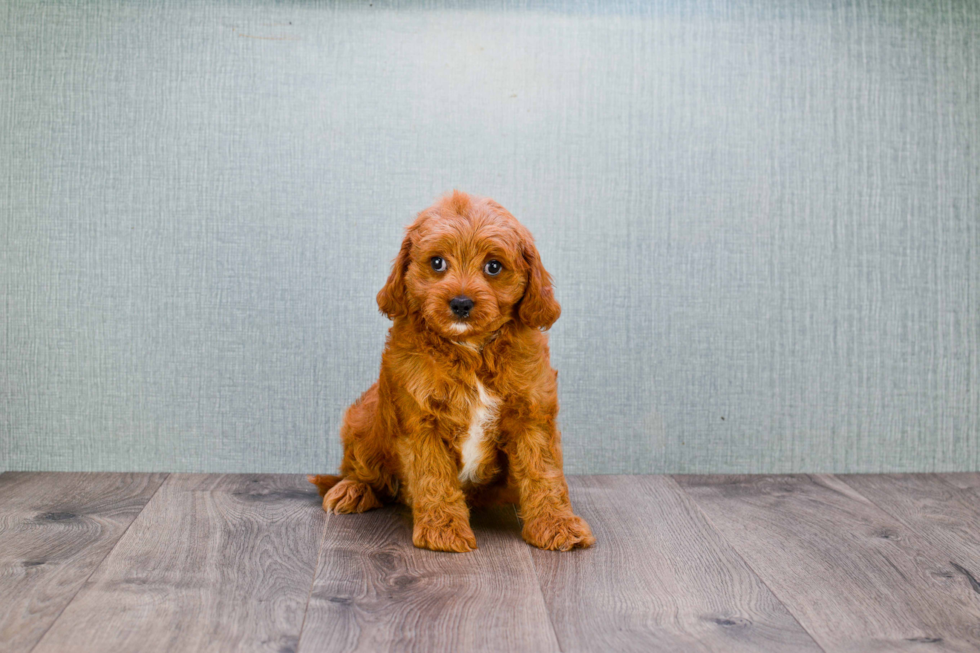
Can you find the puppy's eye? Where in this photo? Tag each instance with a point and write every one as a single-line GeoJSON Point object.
{"type": "Point", "coordinates": [438, 264]}
{"type": "Point", "coordinates": [493, 268]}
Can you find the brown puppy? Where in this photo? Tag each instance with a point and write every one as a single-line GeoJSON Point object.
{"type": "Point", "coordinates": [465, 408]}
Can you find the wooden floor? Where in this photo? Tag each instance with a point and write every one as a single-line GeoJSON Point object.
{"type": "Point", "coordinates": [156, 562]}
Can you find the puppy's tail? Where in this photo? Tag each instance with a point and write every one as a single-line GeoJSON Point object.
{"type": "Point", "coordinates": [323, 482]}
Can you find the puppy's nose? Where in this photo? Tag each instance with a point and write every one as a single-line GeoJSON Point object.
{"type": "Point", "coordinates": [461, 306]}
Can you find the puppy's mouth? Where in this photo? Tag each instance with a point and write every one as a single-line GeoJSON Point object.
{"type": "Point", "coordinates": [459, 327]}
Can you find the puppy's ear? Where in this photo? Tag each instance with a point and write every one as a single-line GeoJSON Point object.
{"type": "Point", "coordinates": [393, 299]}
{"type": "Point", "coordinates": [538, 309]}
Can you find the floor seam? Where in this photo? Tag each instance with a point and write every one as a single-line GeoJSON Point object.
{"type": "Point", "coordinates": [738, 553]}
{"type": "Point", "coordinates": [938, 546]}
{"type": "Point", "coordinates": [537, 582]}
{"type": "Point", "coordinates": [316, 571]}
{"type": "Point", "coordinates": [877, 505]}
{"type": "Point", "coordinates": [96, 567]}
{"type": "Point", "coordinates": [940, 475]}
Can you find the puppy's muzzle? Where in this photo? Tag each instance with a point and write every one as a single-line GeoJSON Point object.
{"type": "Point", "coordinates": [461, 306]}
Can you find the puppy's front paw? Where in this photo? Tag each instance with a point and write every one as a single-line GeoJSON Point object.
{"type": "Point", "coordinates": [349, 496]}
{"type": "Point", "coordinates": [558, 532]}
{"type": "Point", "coordinates": [456, 537]}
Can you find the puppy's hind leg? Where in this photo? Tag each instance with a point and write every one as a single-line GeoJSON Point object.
{"type": "Point", "coordinates": [323, 482]}
{"type": "Point", "coordinates": [362, 475]}
{"type": "Point", "coordinates": [342, 495]}
{"type": "Point", "coordinates": [349, 496]}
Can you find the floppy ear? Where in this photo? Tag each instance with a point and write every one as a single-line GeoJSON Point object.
{"type": "Point", "coordinates": [539, 309]}
{"type": "Point", "coordinates": [392, 299]}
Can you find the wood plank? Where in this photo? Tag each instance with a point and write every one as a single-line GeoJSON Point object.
{"type": "Point", "coordinates": [962, 480]}
{"type": "Point", "coordinates": [55, 529]}
{"type": "Point", "coordinates": [659, 578]}
{"type": "Point", "coordinates": [944, 512]}
{"type": "Point", "coordinates": [214, 562]}
{"type": "Point", "coordinates": [374, 591]}
{"type": "Point", "coordinates": [855, 577]}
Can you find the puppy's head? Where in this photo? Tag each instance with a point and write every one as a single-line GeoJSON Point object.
{"type": "Point", "coordinates": [466, 267]}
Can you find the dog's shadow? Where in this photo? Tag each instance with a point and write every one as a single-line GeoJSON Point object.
{"type": "Point", "coordinates": [390, 527]}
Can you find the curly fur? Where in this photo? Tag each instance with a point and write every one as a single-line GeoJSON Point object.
{"type": "Point", "coordinates": [444, 379]}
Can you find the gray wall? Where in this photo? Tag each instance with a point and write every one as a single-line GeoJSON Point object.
{"type": "Point", "coordinates": [762, 217]}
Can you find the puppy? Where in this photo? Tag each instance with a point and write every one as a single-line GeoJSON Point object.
{"type": "Point", "coordinates": [464, 410]}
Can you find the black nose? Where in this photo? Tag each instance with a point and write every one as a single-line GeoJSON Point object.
{"type": "Point", "coordinates": [461, 306]}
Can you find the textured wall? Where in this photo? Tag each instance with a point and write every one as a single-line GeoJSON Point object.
{"type": "Point", "coordinates": [762, 216]}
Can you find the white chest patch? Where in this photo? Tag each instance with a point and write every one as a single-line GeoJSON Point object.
{"type": "Point", "coordinates": [482, 418]}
